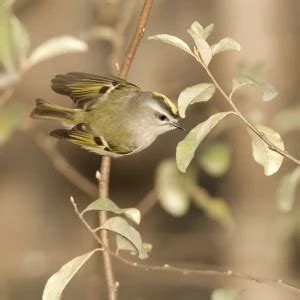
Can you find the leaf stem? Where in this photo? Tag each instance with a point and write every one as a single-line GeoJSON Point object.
{"type": "Point", "coordinates": [106, 161]}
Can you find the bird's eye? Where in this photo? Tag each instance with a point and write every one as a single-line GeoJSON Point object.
{"type": "Point", "coordinates": [163, 117]}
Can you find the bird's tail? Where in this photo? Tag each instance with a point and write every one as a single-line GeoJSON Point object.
{"type": "Point", "coordinates": [46, 110]}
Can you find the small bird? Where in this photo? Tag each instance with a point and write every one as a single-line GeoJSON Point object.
{"type": "Point", "coordinates": [111, 116]}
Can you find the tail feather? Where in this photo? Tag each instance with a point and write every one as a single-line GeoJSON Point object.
{"type": "Point", "coordinates": [46, 110]}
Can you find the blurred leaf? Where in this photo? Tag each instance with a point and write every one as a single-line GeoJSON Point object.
{"type": "Point", "coordinates": [225, 294]}
{"type": "Point", "coordinates": [171, 188]}
{"type": "Point", "coordinates": [20, 36]}
{"type": "Point", "coordinates": [287, 190]}
{"type": "Point", "coordinates": [200, 31]}
{"type": "Point", "coordinates": [58, 281]}
{"type": "Point", "coordinates": [14, 39]}
{"type": "Point", "coordinates": [202, 46]}
{"type": "Point", "coordinates": [216, 208]}
{"type": "Point", "coordinates": [124, 244]}
{"type": "Point", "coordinates": [121, 226]}
{"type": "Point", "coordinates": [100, 33]}
{"type": "Point", "coordinates": [172, 40]}
{"type": "Point", "coordinates": [270, 160]}
{"type": "Point", "coordinates": [108, 205]}
{"type": "Point", "coordinates": [240, 82]}
{"type": "Point", "coordinates": [225, 45]}
{"type": "Point", "coordinates": [8, 79]}
{"type": "Point", "coordinates": [197, 93]}
{"type": "Point", "coordinates": [215, 159]}
{"type": "Point", "coordinates": [57, 46]}
{"type": "Point", "coordinates": [186, 148]}
{"type": "Point", "coordinates": [10, 119]}
{"type": "Point", "coordinates": [288, 119]}
{"type": "Point", "coordinates": [267, 90]}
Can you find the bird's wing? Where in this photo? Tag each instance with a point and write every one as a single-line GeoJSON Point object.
{"type": "Point", "coordinates": [87, 90]}
{"type": "Point", "coordinates": [83, 136]}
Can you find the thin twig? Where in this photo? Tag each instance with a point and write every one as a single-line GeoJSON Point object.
{"type": "Point", "coordinates": [147, 203]}
{"type": "Point", "coordinates": [106, 161]}
{"type": "Point", "coordinates": [183, 271]}
{"type": "Point", "coordinates": [251, 126]}
{"type": "Point", "coordinates": [48, 146]}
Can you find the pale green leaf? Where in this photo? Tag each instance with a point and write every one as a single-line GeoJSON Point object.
{"type": "Point", "coordinates": [200, 31]}
{"type": "Point", "coordinates": [215, 159]}
{"type": "Point", "coordinates": [20, 37]}
{"type": "Point", "coordinates": [172, 40]}
{"type": "Point", "coordinates": [287, 190]}
{"type": "Point", "coordinates": [57, 46]}
{"type": "Point", "coordinates": [240, 82]}
{"type": "Point", "coordinates": [225, 45]}
{"type": "Point", "coordinates": [267, 90]}
{"type": "Point", "coordinates": [270, 160]}
{"type": "Point", "coordinates": [202, 46]}
{"type": "Point", "coordinates": [121, 226]}
{"type": "Point", "coordinates": [198, 93]}
{"type": "Point", "coordinates": [108, 205]}
{"type": "Point", "coordinates": [124, 244]}
{"type": "Point", "coordinates": [172, 188]}
{"type": "Point", "coordinates": [186, 148]}
{"type": "Point", "coordinates": [225, 294]}
{"type": "Point", "coordinates": [57, 282]}
{"type": "Point", "coordinates": [101, 32]}
{"type": "Point", "coordinates": [216, 208]}
{"type": "Point", "coordinates": [10, 119]}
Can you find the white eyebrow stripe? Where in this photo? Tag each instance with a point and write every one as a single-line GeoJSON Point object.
{"type": "Point", "coordinates": [156, 107]}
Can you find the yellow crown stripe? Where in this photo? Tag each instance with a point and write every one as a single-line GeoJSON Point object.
{"type": "Point", "coordinates": [168, 102]}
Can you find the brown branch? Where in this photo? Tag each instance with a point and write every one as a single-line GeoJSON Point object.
{"type": "Point", "coordinates": [183, 271]}
{"type": "Point", "coordinates": [251, 126]}
{"type": "Point", "coordinates": [106, 161]}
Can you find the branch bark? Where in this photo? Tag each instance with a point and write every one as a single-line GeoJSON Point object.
{"type": "Point", "coordinates": [106, 161]}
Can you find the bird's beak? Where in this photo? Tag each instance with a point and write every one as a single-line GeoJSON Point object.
{"type": "Point", "coordinates": [178, 126]}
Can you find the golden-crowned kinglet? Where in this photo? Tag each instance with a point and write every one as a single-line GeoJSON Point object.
{"type": "Point", "coordinates": [112, 116]}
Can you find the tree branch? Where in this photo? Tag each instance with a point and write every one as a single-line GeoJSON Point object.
{"type": "Point", "coordinates": [183, 271]}
{"type": "Point", "coordinates": [106, 161]}
{"type": "Point", "coordinates": [251, 126]}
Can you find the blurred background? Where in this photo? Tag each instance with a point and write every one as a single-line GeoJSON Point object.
{"type": "Point", "coordinates": [233, 222]}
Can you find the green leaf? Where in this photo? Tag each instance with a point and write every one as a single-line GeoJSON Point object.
{"type": "Point", "coordinates": [124, 244]}
{"type": "Point", "coordinates": [270, 160]}
{"type": "Point", "coordinates": [20, 36]}
{"type": "Point", "coordinates": [267, 90]}
{"type": "Point", "coordinates": [171, 188]}
{"type": "Point", "coordinates": [225, 45]}
{"type": "Point", "coordinates": [202, 46]}
{"type": "Point", "coordinates": [172, 40]}
{"type": "Point", "coordinates": [108, 205]}
{"type": "Point", "coordinates": [58, 281]}
{"type": "Point", "coordinates": [57, 46]}
{"type": "Point", "coordinates": [10, 119]}
{"type": "Point", "coordinates": [121, 226]}
{"type": "Point", "coordinates": [225, 294]}
{"type": "Point", "coordinates": [185, 150]}
{"type": "Point", "coordinates": [198, 93]}
{"type": "Point", "coordinates": [240, 82]}
{"type": "Point", "coordinates": [215, 159]}
{"type": "Point", "coordinates": [216, 208]}
{"type": "Point", "coordinates": [14, 40]}
{"type": "Point", "coordinates": [200, 31]}
{"type": "Point", "coordinates": [287, 190]}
